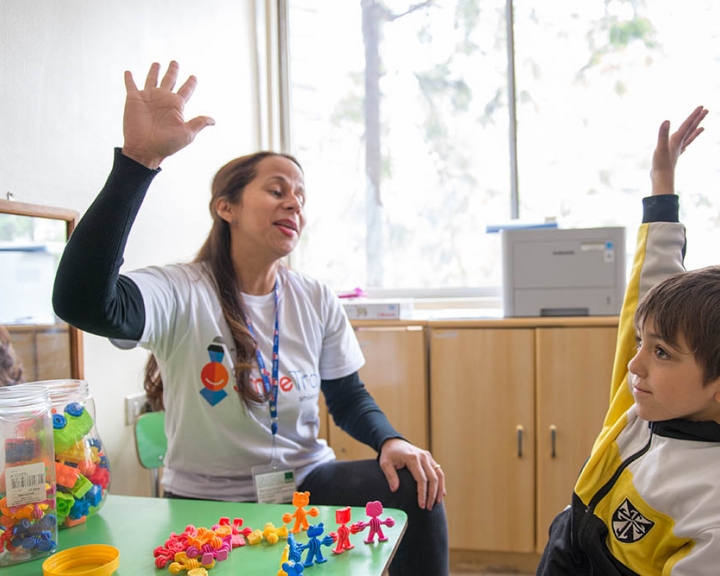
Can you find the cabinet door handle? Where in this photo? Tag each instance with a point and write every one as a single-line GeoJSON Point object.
{"type": "Point", "coordinates": [553, 438]}
{"type": "Point", "coordinates": [520, 431]}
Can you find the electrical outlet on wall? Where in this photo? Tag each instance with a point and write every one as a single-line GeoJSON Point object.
{"type": "Point", "coordinates": [134, 406]}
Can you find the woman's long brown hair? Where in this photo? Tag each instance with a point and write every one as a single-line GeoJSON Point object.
{"type": "Point", "coordinates": [229, 182]}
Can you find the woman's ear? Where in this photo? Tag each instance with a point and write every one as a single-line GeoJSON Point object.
{"type": "Point", "coordinates": [224, 209]}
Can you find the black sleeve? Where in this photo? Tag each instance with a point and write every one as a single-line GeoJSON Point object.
{"type": "Point", "coordinates": [89, 292]}
{"type": "Point", "coordinates": [355, 411]}
{"type": "Point", "coordinates": [663, 208]}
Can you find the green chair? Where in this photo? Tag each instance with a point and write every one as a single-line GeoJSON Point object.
{"type": "Point", "coordinates": [151, 445]}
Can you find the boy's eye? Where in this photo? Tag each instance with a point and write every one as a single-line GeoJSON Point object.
{"type": "Point", "coordinates": [661, 353]}
{"type": "Point", "coordinates": [638, 342]}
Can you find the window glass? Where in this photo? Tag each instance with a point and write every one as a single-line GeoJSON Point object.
{"type": "Point", "coordinates": [400, 117]}
{"type": "Point", "coordinates": [594, 81]}
{"type": "Point", "coordinates": [414, 214]}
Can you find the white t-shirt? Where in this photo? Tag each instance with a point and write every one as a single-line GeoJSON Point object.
{"type": "Point", "coordinates": [213, 440]}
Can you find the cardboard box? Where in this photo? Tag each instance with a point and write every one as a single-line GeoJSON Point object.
{"type": "Point", "coordinates": [371, 309]}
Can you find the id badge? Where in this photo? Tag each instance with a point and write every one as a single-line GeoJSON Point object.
{"type": "Point", "coordinates": [273, 484]}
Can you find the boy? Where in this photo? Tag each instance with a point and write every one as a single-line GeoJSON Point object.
{"type": "Point", "coordinates": [647, 500]}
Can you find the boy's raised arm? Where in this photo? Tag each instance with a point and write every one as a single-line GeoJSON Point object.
{"type": "Point", "coordinates": [653, 260]}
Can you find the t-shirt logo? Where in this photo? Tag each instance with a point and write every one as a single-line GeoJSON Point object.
{"type": "Point", "coordinates": [214, 376]}
{"type": "Point", "coordinates": [628, 524]}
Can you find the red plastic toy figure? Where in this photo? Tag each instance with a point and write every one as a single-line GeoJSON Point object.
{"type": "Point", "coordinates": [299, 500]}
{"type": "Point", "coordinates": [373, 509]}
{"type": "Point", "coordinates": [342, 536]}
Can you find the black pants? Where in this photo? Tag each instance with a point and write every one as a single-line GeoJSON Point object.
{"type": "Point", "coordinates": [424, 547]}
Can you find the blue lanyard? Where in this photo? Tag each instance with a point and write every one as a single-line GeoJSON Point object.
{"type": "Point", "coordinates": [270, 384]}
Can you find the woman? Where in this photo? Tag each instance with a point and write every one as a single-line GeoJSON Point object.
{"type": "Point", "coordinates": [237, 412]}
{"type": "Point", "coordinates": [11, 370]}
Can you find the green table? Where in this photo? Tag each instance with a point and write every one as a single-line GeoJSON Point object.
{"type": "Point", "coordinates": [136, 526]}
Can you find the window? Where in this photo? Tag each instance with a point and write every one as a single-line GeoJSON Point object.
{"type": "Point", "coordinates": [420, 124]}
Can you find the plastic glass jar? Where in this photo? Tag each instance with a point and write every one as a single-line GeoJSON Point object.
{"type": "Point", "coordinates": [82, 470]}
{"type": "Point", "coordinates": [28, 521]}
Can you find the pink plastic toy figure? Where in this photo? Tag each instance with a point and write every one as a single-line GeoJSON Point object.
{"type": "Point", "coordinates": [373, 509]}
{"type": "Point", "coordinates": [342, 536]}
{"type": "Point", "coordinates": [299, 500]}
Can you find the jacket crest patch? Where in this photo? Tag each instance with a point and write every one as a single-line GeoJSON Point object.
{"type": "Point", "coordinates": [628, 524]}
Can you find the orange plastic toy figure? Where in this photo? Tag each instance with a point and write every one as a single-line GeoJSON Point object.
{"type": "Point", "coordinates": [300, 500]}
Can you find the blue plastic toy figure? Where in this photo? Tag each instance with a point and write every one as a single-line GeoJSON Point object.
{"type": "Point", "coordinates": [294, 551]}
{"type": "Point", "coordinates": [314, 545]}
{"type": "Point", "coordinates": [293, 569]}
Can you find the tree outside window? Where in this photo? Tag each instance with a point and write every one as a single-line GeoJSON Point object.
{"type": "Point", "coordinates": [402, 117]}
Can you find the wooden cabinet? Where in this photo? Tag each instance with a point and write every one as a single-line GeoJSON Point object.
{"type": "Point", "coordinates": [515, 408]}
{"type": "Point", "coordinates": [510, 408]}
{"type": "Point", "coordinates": [44, 350]}
{"type": "Point", "coordinates": [396, 375]}
{"type": "Point", "coordinates": [482, 421]}
{"type": "Point", "coordinates": [574, 367]}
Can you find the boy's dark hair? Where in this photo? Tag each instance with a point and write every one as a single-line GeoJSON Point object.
{"type": "Point", "coordinates": [688, 304]}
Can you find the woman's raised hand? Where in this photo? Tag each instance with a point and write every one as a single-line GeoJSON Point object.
{"type": "Point", "coordinates": [153, 123]}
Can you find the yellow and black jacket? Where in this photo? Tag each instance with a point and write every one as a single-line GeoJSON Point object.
{"type": "Point", "coordinates": [647, 500]}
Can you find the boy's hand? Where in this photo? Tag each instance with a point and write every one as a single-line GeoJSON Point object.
{"type": "Point", "coordinates": [669, 148]}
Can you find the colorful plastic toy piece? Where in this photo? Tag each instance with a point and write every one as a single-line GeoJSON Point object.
{"type": "Point", "coordinates": [197, 548]}
{"type": "Point", "coordinates": [373, 509]}
{"type": "Point", "coordinates": [21, 450]}
{"type": "Point", "coordinates": [291, 554]}
{"type": "Point", "coordinates": [272, 534]}
{"type": "Point", "coordinates": [255, 537]}
{"type": "Point", "coordinates": [78, 423]}
{"type": "Point", "coordinates": [64, 504]}
{"type": "Point", "coordinates": [300, 500]}
{"type": "Point", "coordinates": [66, 476]}
{"type": "Point", "coordinates": [292, 568]}
{"type": "Point", "coordinates": [182, 562]}
{"type": "Point", "coordinates": [314, 545]}
{"type": "Point", "coordinates": [342, 536]}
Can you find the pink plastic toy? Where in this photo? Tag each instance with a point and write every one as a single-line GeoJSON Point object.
{"type": "Point", "coordinates": [373, 509]}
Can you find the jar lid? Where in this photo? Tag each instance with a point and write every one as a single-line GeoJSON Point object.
{"type": "Point", "coordinates": [89, 560]}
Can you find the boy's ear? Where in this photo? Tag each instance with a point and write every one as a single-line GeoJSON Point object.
{"type": "Point", "coordinates": [716, 385]}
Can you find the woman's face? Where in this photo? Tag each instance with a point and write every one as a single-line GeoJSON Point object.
{"type": "Point", "coordinates": [269, 218]}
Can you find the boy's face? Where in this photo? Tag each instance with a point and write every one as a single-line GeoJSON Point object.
{"type": "Point", "coordinates": [667, 381]}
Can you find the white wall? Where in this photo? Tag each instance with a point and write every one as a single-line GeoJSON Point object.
{"type": "Point", "coordinates": [61, 101]}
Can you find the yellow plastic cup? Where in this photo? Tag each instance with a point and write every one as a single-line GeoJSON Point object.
{"type": "Point", "coordinates": [90, 560]}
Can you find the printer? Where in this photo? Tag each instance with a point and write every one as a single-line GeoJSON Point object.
{"type": "Point", "coordinates": [563, 272]}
